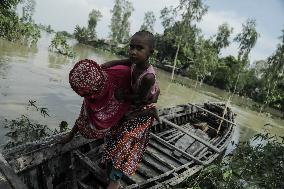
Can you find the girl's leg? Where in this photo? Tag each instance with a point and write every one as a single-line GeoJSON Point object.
{"type": "Point", "coordinates": [113, 185]}
{"type": "Point", "coordinates": [115, 176]}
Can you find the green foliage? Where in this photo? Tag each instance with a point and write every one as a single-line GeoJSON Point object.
{"type": "Point", "coordinates": [94, 17]}
{"type": "Point", "coordinates": [28, 11]}
{"type": "Point", "coordinates": [225, 73]}
{"type": "Point", "coordinates": [149, 21]}
{"type": "Point", "coordinates": [115, 20]}
{"type": "Point", "coordinates": [273, 78]}
{"type": "Point", "coordinates": [206, 59]}
{"type": "Point", "coordinates": [167, 17]}
{"type": "Point", "coordinates": [83, 35]}
{"type": "Point", "coordinates": [23, 129]}
{"type": "Point", "coordinates": [66, 34]}
{"type": "Point", "coordinates": [13, 28]}
{"type": "Point", "coordinates": [183, 33]}
{"type": "Point", "coordinates": [222, 37]}
{"type": "Point", "coordinates": [257, 163]}
{"type": "Point", "coordinates": [120, 25]}
{"type": "Point", "coordinates": [7, 7]}
{"type": "Point", "coordinates": [60, 45]}
{"type": "Point", "coordinates": [247, 40]}
{"type": "Point", "coordinates": [87, 35]}
{"type": "Point", "coordinates": [47, 28]}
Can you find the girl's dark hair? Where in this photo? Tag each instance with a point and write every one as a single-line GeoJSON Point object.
{"type": "Point", "coordinates": [148, 36]}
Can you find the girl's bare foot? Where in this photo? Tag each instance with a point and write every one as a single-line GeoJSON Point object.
{"type": "Point", "coordinates": [113, 185]}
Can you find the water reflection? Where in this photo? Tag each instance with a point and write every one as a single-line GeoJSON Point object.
{"type": "Point", "coordinates": [10, 49]}
{"type": "Point", "coordinates": [57, 61]}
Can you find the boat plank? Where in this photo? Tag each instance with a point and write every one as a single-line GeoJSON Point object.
{"type": "Point", "coordinates": [213, 114]}
{"type": "Point", "coordinates": [159, 159]}
{"type": "Point", "coordinates": [166, 132]}
{"type": "Point", "coordinates": [171, 135]}
{"type": "Point", "coordinates": [4, 183]}
{"type": "Point", "coordinates": [192, 135]}
{"type": "Point", "coordinates": [36, 158]}
{"type": "Point", "coordinates": [154, 164]}
{"type": "Point", "coordinates": [138, 178]}
{"type": "Point", "coordinates": [165, 143]}
{"type": "Point", "coordinates": [146, 171]}
{"type": "Point", "coordinates": [91, 166]}
{"type": "Point", "coordinates": [166, 153]}
{"type": "Point", "coordinates": [176, 137]}
{"type": "Point", "coordinates": [13, 179]}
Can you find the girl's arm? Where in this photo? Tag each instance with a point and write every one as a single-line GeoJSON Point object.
{"type": "Point", "coordinates": [125, 62]}
{"type": "Point", "coordinates": [142, 96]}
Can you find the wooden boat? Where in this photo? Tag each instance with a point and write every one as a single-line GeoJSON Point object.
{"type": "Point", "coordinates": [189, 138]}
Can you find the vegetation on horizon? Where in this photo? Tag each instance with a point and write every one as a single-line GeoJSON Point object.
{"type": "Point", "coordinates": [88, 34]}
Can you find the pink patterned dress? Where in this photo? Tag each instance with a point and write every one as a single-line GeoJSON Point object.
{"type": "Point", "coordinates": [127, 142]}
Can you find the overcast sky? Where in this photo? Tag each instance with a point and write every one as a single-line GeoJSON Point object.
{"type": "Point", "coordinates": [269, 15]}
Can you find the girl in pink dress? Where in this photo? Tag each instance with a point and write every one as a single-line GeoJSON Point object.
{"type": "Point", "coordinates": [126, 142]}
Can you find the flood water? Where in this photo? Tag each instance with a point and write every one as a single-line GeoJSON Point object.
{"type": "Point", "coordinates": [37, 74]}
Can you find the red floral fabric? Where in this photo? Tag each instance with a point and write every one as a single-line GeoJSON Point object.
{"type": "Point", "coordinates": [100, 110]}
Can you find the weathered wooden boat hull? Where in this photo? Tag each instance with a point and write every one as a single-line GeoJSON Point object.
{"type": "Point", "coordinates": [178, 149]}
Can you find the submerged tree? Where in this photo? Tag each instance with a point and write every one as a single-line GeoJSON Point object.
{"type": "Point", "coordinates": [13, 28]}
{"type": "Point", "coordinates": [59, 44]}
{"type": "Point", "coordinates": [120, 25]}
{"type": "Point", "coordinates": [149, 21]}
{"type": "Point", "coordinates": [94, 17]}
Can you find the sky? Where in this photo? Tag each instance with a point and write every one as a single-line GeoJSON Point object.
{"type": "Point", "coordinates": [269, 16]}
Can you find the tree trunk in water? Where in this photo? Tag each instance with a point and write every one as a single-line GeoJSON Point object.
{"type": "Point", "coordinates": [266, 100]}
{"type": "Point", "coordinates": [196, 82]}
{"type": "Point", "coordinates": [201, 81]}
{"type": "Point", "coordinates": [175, 63]}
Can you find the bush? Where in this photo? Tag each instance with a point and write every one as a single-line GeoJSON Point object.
{"type": "Point", "coordinates": [258, 163]}
{"type": "Point", "coordinates": [60, 45]}
{"type": "Point", "coordinates": [23, 129]}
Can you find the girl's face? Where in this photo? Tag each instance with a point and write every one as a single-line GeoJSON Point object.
{"type": "Point", "coordinates": [139, 50]}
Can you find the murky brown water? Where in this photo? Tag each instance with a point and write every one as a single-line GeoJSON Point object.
{"type": "Point", "coordinates": [37, 74]}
